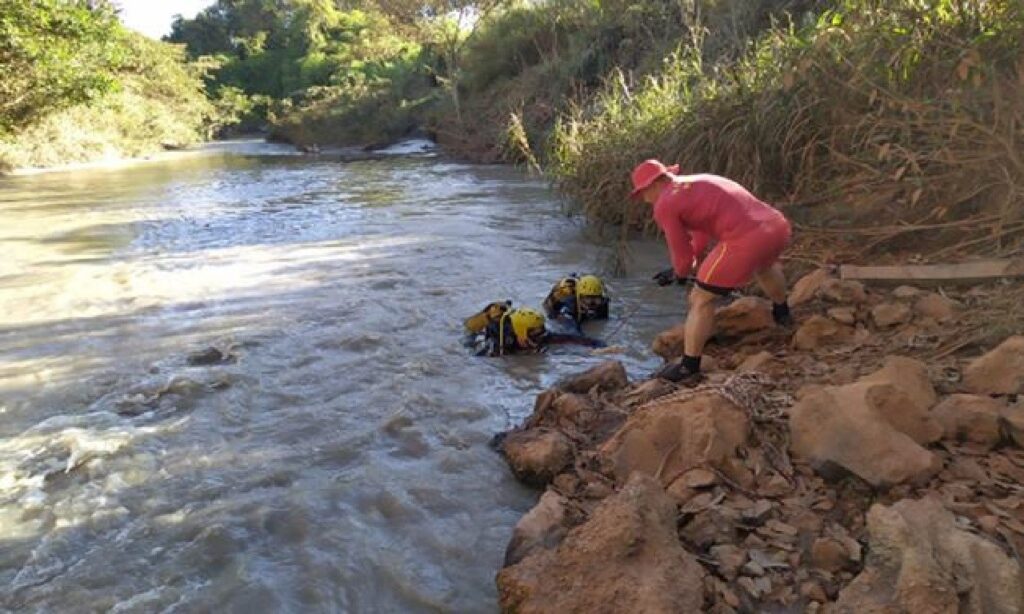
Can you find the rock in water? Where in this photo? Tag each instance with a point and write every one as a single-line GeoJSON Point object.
{"type": "Point", "coordinates": [537, 455]}
{"type": "Point", "coordinates": [210, 356]}
{"type": "Point", "coordinates": [1001, 371]}
{"type": "Point", "coordinates": [625, 558]}
{"type": "Point", "coordinates": [542, 528]}
{"type": "Point", "coordinates": [920, 561]}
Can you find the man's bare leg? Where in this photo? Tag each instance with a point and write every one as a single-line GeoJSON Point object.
{"type": "Point", "coordinates": [700, 324]}
{"type": "Point", "coordinates": [773, 281]}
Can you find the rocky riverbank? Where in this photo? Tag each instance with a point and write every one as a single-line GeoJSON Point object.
{"type": "Point", "coordinates": [869, 460]}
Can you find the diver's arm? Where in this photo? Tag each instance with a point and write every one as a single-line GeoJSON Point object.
{"type": "Point", "coordinates": [566, 339]}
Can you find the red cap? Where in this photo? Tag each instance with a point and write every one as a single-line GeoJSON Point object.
{"type": "Point", "coordinates": [647, 172]}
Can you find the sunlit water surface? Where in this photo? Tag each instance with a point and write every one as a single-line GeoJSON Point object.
{"type": "Point", "coordinates": [341, 462]}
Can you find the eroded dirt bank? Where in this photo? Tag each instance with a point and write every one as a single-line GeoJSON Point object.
{"type": "Point", "coordinates": [867, 460]}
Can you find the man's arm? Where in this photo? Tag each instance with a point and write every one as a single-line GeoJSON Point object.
{"type": "Point", "coordinates": [699, 242]}
{"type": "Point", "coordinates": [680, 244]}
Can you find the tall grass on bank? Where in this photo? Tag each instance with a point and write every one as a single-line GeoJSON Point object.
{"type": "Point", "coordinates": [879, 112]}
{"type": "Point", "coordinates": [531, 60]}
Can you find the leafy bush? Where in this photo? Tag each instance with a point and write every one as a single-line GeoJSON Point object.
{"type": "Point", "coordinates": [55, 54]}
{"type": "Point", "coordinates": [154, 100]}
{"type": "Point", "coordinates": [372, 102]}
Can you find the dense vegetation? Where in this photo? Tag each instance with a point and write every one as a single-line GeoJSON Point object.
{"type": "Point", "coordinates": [902, 114]}
{"type": "Point", "coordinates": [75, 85]}
{"type": "Point", "coordinates": [317, 71]}
{"type": "Point", "coordinates": [859, 111]}
{"type": "Point", "coordinates": [873, 112]}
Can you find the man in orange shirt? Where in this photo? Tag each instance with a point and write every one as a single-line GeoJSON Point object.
{"type": "Point", "coordinates": [750, 236]}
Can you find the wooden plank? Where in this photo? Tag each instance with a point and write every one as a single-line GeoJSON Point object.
{"type": "Point", "coordinates": [964, 272]}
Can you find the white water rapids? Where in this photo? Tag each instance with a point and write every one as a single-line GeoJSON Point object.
{"type": "Point", "coordinates": [339, 461]}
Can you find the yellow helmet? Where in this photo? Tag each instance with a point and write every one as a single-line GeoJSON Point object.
{"type": "Point", "coordinates": [526, 323]}
{"type": "Point", "coordinates": [565, 288]}
{"type": "Point", "coordinates": [589, 285]}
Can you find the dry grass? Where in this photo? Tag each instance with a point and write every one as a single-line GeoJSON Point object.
{"type": "Point", "coordinates": [903, 117]}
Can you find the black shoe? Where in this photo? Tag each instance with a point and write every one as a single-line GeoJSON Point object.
{"type": "Point", "coordinates": [782, 315]}
{"type": "Point", "coordinates": [785, 321]}
{"type": "Point", "coordinates": [674, 372]}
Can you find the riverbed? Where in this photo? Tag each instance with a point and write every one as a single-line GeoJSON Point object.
{"type": "Point", "coordinates": [337, 458]}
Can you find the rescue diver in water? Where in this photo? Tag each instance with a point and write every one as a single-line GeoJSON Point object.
{"type": "Point", "coordinates": [579, 299]}
{"type": "Point", "coordinates": [498, 330]}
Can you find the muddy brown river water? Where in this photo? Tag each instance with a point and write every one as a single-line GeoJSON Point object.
{"type": "Point", "coordinates": [340, 461]}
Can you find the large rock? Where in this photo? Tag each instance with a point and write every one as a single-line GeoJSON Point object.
{"type": "Point", "coordinates": [886, 315]}
{"type": "Point", "coordinates": [966, 417]}
{"type": "Point", "coordinates": [669, 343]}
{"type": "Point", "coordinates": [572, 410]}
{"type": "Point", "coordinates": [1001, 371]}
{"type": "Point", "coordinates": [936, 307]}
{"type": "Point", "coordinates": [605, 377]}
{"type": "Point", "coordinates": [818, 331]}
{"type": "Point", "coordinates": [746, 315]}
{"type": "Point", "coordinates": [843, 315]}
{"type": "Point", "coordinates": [757, 362]}
{"type": "Point", "coordinates": [1012, 423]}
{"type": "Point", "coordinates": [870, 428]}
{"type": "Point", "coordinates": [807, 287]}
{"type": "Point", "coordinates": [671, 438]}
{"type": "Point", "coordinates": [537, 455]}
{"type": "Point", "coordinates": [830, 554]}
{"type": "Point", "coordinates": [625, 558]}
{"type": "Point", "coordinates": [920, 561]}
{"type": "Point", "coordinates": [542, 528]}
{"type": "Point", "coordinates": [906, 292]}
{"type": "Point", "coordinates": [911, 377]}
{"type": "Point", "coordinates": [577, 415]}
{"type": "Point", "coordinates": [844, 291]}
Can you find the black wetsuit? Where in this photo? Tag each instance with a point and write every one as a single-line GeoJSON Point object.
{"type": "Point", "coordinates": [568, 307]}
{"type": "Point", "coordinates": [491, 343]}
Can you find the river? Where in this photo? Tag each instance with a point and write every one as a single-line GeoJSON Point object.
{"type": "Point", "coordinates": [339, 461]}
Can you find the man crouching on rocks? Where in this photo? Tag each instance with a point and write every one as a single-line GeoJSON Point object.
{"type": "Point", "coordinates": [692, 210]}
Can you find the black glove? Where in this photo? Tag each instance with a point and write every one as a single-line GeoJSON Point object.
{"type": "Point", "coordinates": [666, 277]}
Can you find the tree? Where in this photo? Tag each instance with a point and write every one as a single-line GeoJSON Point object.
{"type": "Point", "coordinates": [54, 54]}
{"type": "Point", "coordinates": [453, 24]}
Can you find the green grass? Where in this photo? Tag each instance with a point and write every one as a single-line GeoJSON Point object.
{"type": "Point", "coordinates": [875, 112]}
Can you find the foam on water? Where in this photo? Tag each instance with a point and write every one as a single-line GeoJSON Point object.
{"type": "Point", "coordinates": [339, 460]}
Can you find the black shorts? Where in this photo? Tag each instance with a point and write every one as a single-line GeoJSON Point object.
{"type": "Point", "coordinates": [717, 290]}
